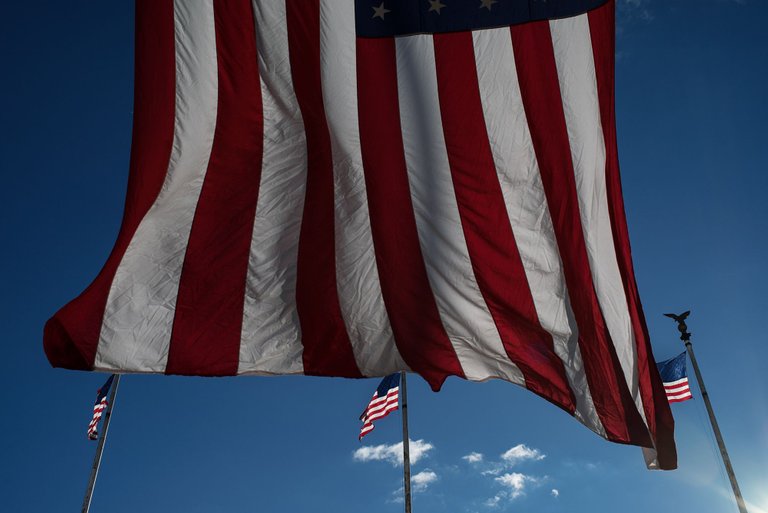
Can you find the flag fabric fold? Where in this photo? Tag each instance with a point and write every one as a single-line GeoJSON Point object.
{"type": "Point", "coordinates": [305, 198]}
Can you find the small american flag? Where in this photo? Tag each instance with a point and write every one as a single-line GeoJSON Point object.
{"type": "Point", "coordinates": [98, 408]}
{"type": "Point", "coordinates": [675, 378]}
{"type": "Point", "coordinates": [385, 399]}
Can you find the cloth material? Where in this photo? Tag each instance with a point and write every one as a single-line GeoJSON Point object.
{"type": "Point", "coordinates": [306, 199]}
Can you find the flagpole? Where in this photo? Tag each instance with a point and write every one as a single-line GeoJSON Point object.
{"type": "Point", "coordinates": [685, 336]}
{"type": "Point", "coordinates": [100, 446]}
{"type": "Point", "coordinates": [406, 446]}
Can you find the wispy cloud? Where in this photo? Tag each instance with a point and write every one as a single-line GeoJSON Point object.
{"type": "Point", "coordinates": [473, 457]}
{"type": "Point", "coordinates": [520, 453]}
{"type": "Point", "coordinates": [515, 483]}
{"type": "Point", "coordinates": [510, 458]}
{"type": "Point", "coordinates": [420, 481]}
{"type": "Point", "coordinates": [580, 466]}
{"type": "Point", "coordinates": [393, 453]}
{"type": "Point", "coordinates": [555, 493]}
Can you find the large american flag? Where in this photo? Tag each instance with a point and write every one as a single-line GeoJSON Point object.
{"type": "Point", "coordinates": [353, 188]}
{"type": "Point", "coordinates": [385, 400]}
{"type": "Point", "coordinates": [98, 408]}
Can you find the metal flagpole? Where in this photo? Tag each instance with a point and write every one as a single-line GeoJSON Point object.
{"type": "Point", "coordinates": [685, 336]}
{"type": "Point", "coordinates": [406, 448]}
{"type": "Point", "coordinates": [100, 447]}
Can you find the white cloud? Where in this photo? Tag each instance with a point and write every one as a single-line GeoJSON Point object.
{"type": "Point", "coordinates": [520, 453]}
{"type": "Point", "coordinates": [420, 481]}
{"type": "Point", "coordinates": [473, 457]}
{"type": "Point", "coordinates": [418, 449]}
{"type": "Point", "coordinates": [512, 457]}
{"type": "Point", "coordinates": [513, 484]}
{"type": "Point", "coordinates": [555, 493]}
{"type": "Point", "coordinates": [516, 483]}
{"type": "Point", "coordinates": [579, 466]}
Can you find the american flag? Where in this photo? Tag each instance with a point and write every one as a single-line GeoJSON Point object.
{"type": "Point", "coordinates": [674, 375]}
{"type": "Point", "coordinates": [357, 187]}
{"type": "Point", "coordinates": [385, 400]}
{"type": "Point", "coordinates": [98, 408]}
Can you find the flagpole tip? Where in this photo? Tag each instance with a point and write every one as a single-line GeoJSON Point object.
{"type": "Point", "coordinates": [685, 336]}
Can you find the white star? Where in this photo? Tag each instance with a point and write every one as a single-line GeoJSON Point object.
{"type": "Point", "coordinates": [487, 4]}
{"type": "Point", "coordinates": [380, 11]}
{"type": "Point", "coordinates": [435, 5]}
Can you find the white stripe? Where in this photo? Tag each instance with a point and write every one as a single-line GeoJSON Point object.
{"type": "Point", "coordinates": [384, 399]}
{"type": "Point", "coordinates": [462, 308]}
{"type": "Point", "coordinates": [526, 203]}
{"type": "Point", "coordinates": [677, 389]}
{"type": "Point", "coordinates": [389, 404]}
{"type": "Point", "coordinates": [578, 87]}
{"type": "Point", "coordinates": [381, 414]}
{"type": "Point", "coordinates": [679, 396]}
{"type": "Point", "coordinates": [388, 400]}
{"type": "Point", "coordinates": [394, 401]}
{"type": "Point", "coordinates": [676, 382]}
{"type": "Point", "coordinates": [391, 393]}
{"type": "Point", "coordinates": [382, 411]}
{"type": "Point", "coordinates": [271, 333]}
{"type": "Point", "coordinates": [357, 276]}
{"type": "Point", "coordinates": [136, 329]}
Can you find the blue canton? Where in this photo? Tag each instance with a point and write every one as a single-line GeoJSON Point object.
{"type": "Point", "coordinates": [389, 18]}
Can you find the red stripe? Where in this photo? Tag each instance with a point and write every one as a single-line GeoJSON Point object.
{"type": "Point", "coordinates": [413, 314]}
{"type": "Point", "coordinates": [382, 406]}
{"type": "Point", "coordinates": [327, 350]}
{"type": "Point", "coordinates": [383, 400]}
{"type": "Point", "coordinates": [677, 389]}
{"type": "Point", "coordinates": [209, 306]}
{"type": "Point", "coordinates": [368, 424]}
{"type": "Point", "coordinates": [72, 334]}
{"type": "Point", "coordinates": [676, 385]}
{"type": "Point", "coordinates": [537, 72]}
{"type": "Point", "coordinates": [377, 400]}
{"type": "Point", "coordinates": [394, 402]}
{"type": "Point", "coordinates": [492, 248]}
{"type": "Point", "coordinates": [381, 414]}
{"type": "Point", "coordinates": [657, 411]}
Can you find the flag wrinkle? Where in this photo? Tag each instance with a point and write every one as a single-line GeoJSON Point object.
{"type": "Point", "coordinates": [271, 333]}
{"type": "Point", "coordinates": [152, 264]}
{"type": "Point", "coordinates": [306, 199]}
{"type": "Point", "coordinates": [71, 336]}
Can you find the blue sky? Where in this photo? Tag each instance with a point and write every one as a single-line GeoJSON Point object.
{"type": "Point", "coordinates": [692, 111]}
